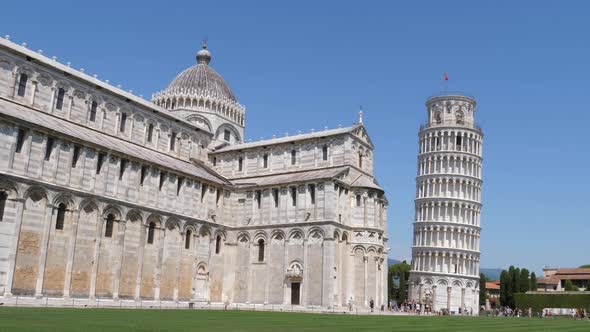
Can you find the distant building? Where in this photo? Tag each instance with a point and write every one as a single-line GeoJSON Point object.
{"type": "Point", "coordinates": [493, 292]}
{"type": "Point", "coordinates": [554, 279]}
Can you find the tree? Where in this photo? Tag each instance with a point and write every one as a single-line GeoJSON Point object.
{"type": "Point", "coordinates": [482, 289]}
{"type": "Point", "coordinates": [568, 286]}
{"type": "Point", "coordinates": [401, 272]}
{"type": "Point", "coordinates": [525, 282]}
{"type": "Point", "coordinates": [533, 281]}
{"type": "Point", "coordinates": [504, 288]}
{"type": "Point", "coordinates": [585, 266]}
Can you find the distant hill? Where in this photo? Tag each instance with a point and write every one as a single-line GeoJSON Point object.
{"type": "Point", "coordinates": [391, 261]}
{"type": "Point", "coordinates": [491, 274]}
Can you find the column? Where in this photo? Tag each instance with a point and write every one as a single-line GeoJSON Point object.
{"type": "Point", "coordinates": [120, 247]}
{"type": "Point", "coordinates": [449, 290]}
{"type": "Point", "coordinates": [71, 251]}
{"type": "Point", "coordinates": [52, 100]}
{"type": "Point", "coordinates": [99, 226]}
{"type": "Point", "coordinates": [143, 230]}
{"type": "Point", "coordinates": [286, 299]}
{"type": "Point", "coordinates": [34, 91]}
{"type": "Point", "coordinates": [161, 240]}
{"type": "Point", "coordinates": [365, 259]}
{"type": "Point", "coordinates": [20, 203]}
{"type": "Point", "coordinates": [43, 254]}
{"type": "Point", "coordinates": [305, 274]}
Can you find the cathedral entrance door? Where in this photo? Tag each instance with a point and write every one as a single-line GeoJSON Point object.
{"type": "Point", "coordinates": [295, 293]}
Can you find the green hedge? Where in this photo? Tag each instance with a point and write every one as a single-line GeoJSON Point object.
{"type": "Point", "coordinates": [538, 301]}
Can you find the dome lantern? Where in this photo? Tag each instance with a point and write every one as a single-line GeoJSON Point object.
{"type": "Point", "coordinates": [203, 55]}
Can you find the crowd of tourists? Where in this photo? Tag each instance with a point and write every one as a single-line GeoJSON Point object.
{"type": "Point", "coordinates": [581, 314]}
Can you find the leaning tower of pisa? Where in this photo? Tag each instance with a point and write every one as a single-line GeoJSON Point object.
{"type": "Point", "coordinates": [444, 274]}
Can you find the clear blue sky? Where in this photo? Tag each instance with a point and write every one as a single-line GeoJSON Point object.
{"type": "Point", "coordinates": [298, 65]}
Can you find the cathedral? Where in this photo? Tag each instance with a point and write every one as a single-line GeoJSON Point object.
{"type": "Point", "coordinates": [106, 197]}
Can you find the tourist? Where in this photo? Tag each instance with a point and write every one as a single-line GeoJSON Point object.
{"type": "Point", "coordinates": [371, 304]}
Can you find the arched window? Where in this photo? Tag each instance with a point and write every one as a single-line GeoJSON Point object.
{"type": "Point", "coordinates": [123, 122]}
{"type": "Point", "coordinates": [61, 215]}
{"type": "Point", "coordinates": [358, 200]}
{"type": "Point", "coordinates": [173, 142]}
{"type": "Point", "coordinates": [108, 229]}
{"type": "Point", "coordinates": [60, 98]}
{"type": "Point", "coordinates": [437, 118]}
{"type": "Point", "coordinates": [218, 244]}
{"type": "Point", "coordinates": [360, 160]}
{"type": "Point", "coordinates": [459, 117]}
{"type": "Point", "coordinates": [261, 250]}
{"type": "Point", "coordinates": [22, 85]}
{"type": "Point", "coordinates": [151, 230]}
{"type": "Point", "coordinates": [93, 108]}
{"type": "Point", "coordinates": [150, 132]}
{"type": "Point", "coordinates": [187, 239]}
{"type": "Point", "coordinates": [3, 198]}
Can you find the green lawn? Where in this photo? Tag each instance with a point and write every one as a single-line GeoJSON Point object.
{"type": "Point", "coordinates": [51, 319]}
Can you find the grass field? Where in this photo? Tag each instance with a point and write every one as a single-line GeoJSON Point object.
{"type": "Point", "coordinates": [52, 319]}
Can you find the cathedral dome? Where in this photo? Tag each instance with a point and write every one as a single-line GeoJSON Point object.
{"type": "Point", "coordinates": [200, 80]}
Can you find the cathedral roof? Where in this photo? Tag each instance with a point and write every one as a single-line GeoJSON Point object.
{"type": "Point", "coordinates": [287, 139]}
{"type": "Point", "coordinates": [200, 80]}
{"type": "Point", "coordinates": [90, 136]}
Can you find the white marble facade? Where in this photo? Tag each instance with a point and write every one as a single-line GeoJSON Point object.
{"type": "Point", "coordinates": [106, 195]}
{"type": "Point", "coordinates": [445, 252]}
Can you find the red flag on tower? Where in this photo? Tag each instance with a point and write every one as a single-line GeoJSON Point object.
{"type": "Point", "coordinates": [446, 76]}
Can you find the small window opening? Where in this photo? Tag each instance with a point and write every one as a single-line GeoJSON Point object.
{"type": "Point", "coordinates": [294, 196]}
{"type": "Point", "coordinates": [61, 215]}
{"type": "Point", "coordinates": [3, 198]}
{"type": "Point", "coordinates": [143, 174]}
{"type": "Point", "coordinates": [172, 142]}
{"type": "Point", "coordinates": [150, 132]}
{"type": "Point", "coordinates": [203, 192]}
{"type": "Point", "coordinates": [325, 152]}
{"type": "Point", "coordinates": [265, 161]}
{"type": "Point", "coordinates": [122, 168]}
{"type": "Point", "coordinates": [20, 140]}
{"type": "Point", "coordinates": [108, 229]}
{"type": "Point", "coordinates": [218, 244]}
{"type": "Point", "coordinates": [226, 135]}
{"type": "Point", "coordinates": [93, 108]}
{"type": "Point", "coordinates": [179, 184]}
{"type": "Point", "coordinates": [240, 164]}
{"type": "Point", "coordinates": [311, 189]}
{"type": "Point", "coordinates": [187, 239]}
{"type": "Point", "coordinates": [99, 162]}
{"type": "Point", "coordinates": [75, 156]}
{"type": "Point", "coordinates": [261, 250]}
{"type": "Point", "coordinates": [259, 198]}
{"type": "Point", "coordinates": [459, 142]}
{"type": "Point", "coordinates": [22, 85]}
{"type": "Point", "coordinates": [218, 197]}
{"type": "Point", "coordinates": [214, 161]}
{"type": "Point", "coordinates": [151, 231]}
{"type": "Point", "coordinates": [49, 148]}
{"type": "Point", "coordinates": [360, 160]}
{"type": "Point", "coordinates": [162, 179]}
{"type": "Point", "coordinates": [358, 200]}
{"type": "Point", "coordinates": [293, 157]}
{"type": "Point", "coordinates": [275, 195]}
{"type": "Point", "coordinates": [60, 98]}
{"type": "Point", "coordinates": [123, 122]}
